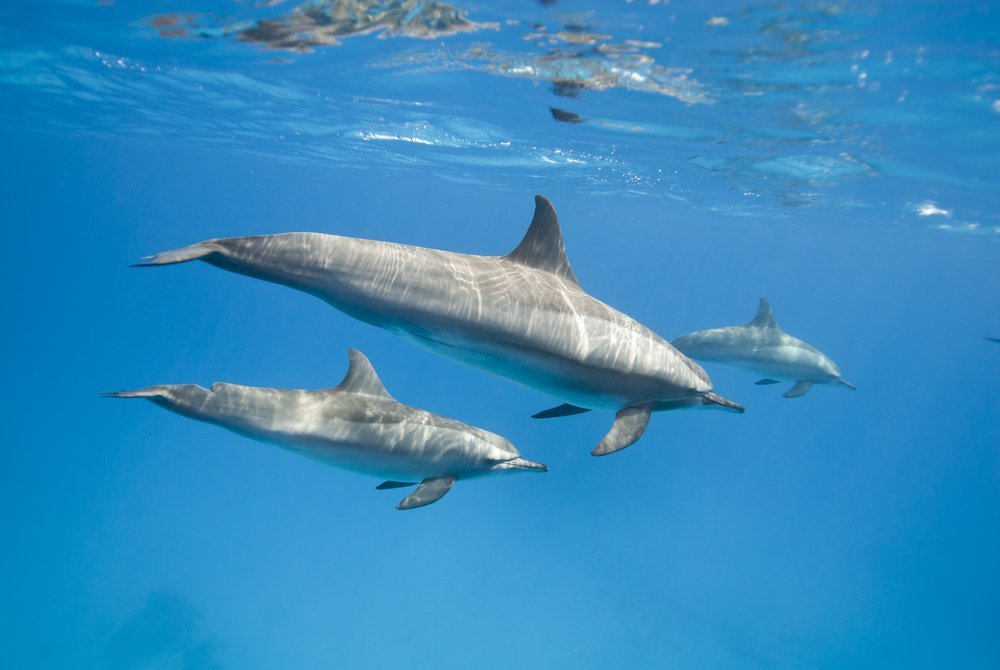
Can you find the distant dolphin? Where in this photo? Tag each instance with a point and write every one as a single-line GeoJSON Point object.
{"type": "Point", "coordinates": [356, 425]}
{"type": "Point", "coordinates": [992, 339]}
{"type": "Point", "coordinates": [522, 316]}
{"type": "Point", "coordinates": [762, 347]}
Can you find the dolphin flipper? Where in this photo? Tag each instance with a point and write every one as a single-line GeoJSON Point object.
{"type": "Point", "coordinates": [562, 410]}
{"type": "Point", "coordinates": [393, 485]}
{"type": "Point", "coordinates": [800, 389]}
{"type": "Point", "coordinates": [630, 424]}
{"type": "Point", "coordinates": [430, 490]}
{"type": "Point", "coordinates": [767, 382]}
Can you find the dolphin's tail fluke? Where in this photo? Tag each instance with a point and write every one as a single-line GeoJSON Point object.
{"type": "Point", "coordinates": [711, 398]}
{"type": "Point", "coordinates": [182, 255]}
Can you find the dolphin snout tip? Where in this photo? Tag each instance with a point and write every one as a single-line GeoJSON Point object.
{"type": "Point", "coordinates": [712, 398]}
{"type": "Point", "coordinates": [523, 464]}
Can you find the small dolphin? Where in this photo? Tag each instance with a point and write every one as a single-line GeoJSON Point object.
{"type": "Point", "coordinates": [762, 347]}
{"type": "Point", "coordinates": [992, 339]}
{"type": "Point", "coordinates": [356, 425]}
{"type": "Point", "coordinates": [522, 316]}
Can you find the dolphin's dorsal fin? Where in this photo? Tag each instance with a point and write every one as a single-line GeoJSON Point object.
{"type": "Point", "coordinates": [361, 377]}
{"type": "Point", "coordinates": [764, 317]}
{"type": "Point", "coordinates": [543, 247]}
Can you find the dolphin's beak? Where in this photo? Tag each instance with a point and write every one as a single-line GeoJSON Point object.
{"type": "Point", "coordinates": [846, 383]}
{"type": "Point", "coordinates": [711, 398]}
{"type": "Point", "coordinates": [524, 464]}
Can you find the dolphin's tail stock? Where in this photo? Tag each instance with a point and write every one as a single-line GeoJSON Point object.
{"type": "Point", "coordinates": [182, 255]}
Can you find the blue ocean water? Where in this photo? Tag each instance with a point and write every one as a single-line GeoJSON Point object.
{"type": "Point", "coordinates": [837, 158]}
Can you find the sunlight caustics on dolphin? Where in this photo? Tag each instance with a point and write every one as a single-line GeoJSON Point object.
{"type": "Point", "coordinates": [522, 316]}
{"type": "Point", "coordinates": [356, 425]}
{"type": "Point", "coordinates": [763, 347]}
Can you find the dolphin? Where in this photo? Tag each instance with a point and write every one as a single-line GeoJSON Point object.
{"type": "Point", "coordinates": [356, 425]}
{"type": "Point", "coordinates": [522, 316]}
{"type": "Point", "coordinates": [763, 347]}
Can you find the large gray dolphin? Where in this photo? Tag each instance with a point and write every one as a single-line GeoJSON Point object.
{"type": "Point", "coordinates": [762, 347]}
{"type": "Point", "coordinates": [522, 316]}
{"type": "Point", "coordinates": [356, 425]}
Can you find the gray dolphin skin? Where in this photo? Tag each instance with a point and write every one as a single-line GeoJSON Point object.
{"type": "Point", "coordinates": [762, 347]}
{"type": "Point", "coordinates": [522, 316]}
{"type": "Point", "coordinates": [356, 425]}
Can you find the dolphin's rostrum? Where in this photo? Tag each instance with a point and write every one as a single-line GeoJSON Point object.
{"type": "Point", "coordinates": [763, 347]}
{"type": "Point", "coordinates": [522, 316]}
{"type": "Point", "coordinates": [356, 425]}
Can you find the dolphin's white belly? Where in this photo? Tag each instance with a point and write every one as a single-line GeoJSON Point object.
{"type": "Point", "coordinates": [780, 364]}
{"type": "Point", "coordinates": [393, 454]}
{"type": "Point", "coordinates": [595, 385]}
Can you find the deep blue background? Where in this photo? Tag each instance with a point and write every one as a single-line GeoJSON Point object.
{"type": "Point", "coordinates": [837, 530]}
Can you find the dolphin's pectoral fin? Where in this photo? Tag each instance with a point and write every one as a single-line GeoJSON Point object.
{"type": "Point", "coordinates": [562, 410]}
{"type": "Point", "coordinates": [800, 389]}
{"type": "Point", "coordinates": [543, 247]}
{"type": "Point", "coordinates": [630, 424]}
{"type": "Point", "coordinates": [393, 485]}
{"type": "Point", "coordinates": [430, 490]}
{"type": "Point", "coordinates": [767, 382]}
